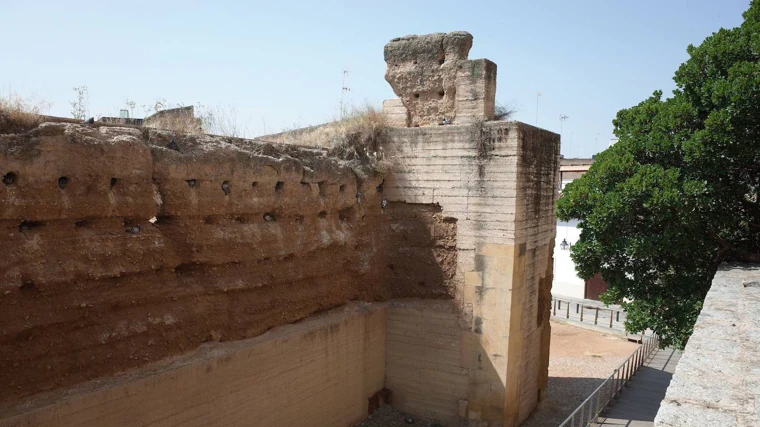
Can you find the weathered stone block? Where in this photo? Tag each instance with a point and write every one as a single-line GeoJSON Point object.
{"type": "Point", "coordinates": [435, 82]}
{"type": "Point", "coordinates": [475, 91]}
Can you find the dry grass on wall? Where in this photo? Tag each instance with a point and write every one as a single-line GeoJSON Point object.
{"type": "Point", "coordinates": [358, 137]}
{"type": "Point", "coordinates": [19, 115]}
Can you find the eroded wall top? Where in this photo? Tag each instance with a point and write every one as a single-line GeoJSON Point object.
{"type": "Point", "coordinates": [436, 82]}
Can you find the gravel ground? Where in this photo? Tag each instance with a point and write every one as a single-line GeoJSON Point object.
{"type": "Point", "coordinates": [579, 360]}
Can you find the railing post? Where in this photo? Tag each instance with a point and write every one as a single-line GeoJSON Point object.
{"type": "Point", "coordinates": [576, 307]}
{"type": "Point", "coordinates": [596, 315]}
{"type": "Point", "coordinates": [567, 315]}
{"type": "Point", "coordinates": [610, 318]}
{"type": "Point", "coordinates": [598, 408]}
{"type": "Point", "coordinates": [617, 316]}
{"type": "Point", "coordinates": [624, 375]}
{"type": "Point", "coordinates": [638, 358]}
{"type": "Point", "coordinates": [555, 307]}
{"type": "Point", "coordinates": [581, 312]}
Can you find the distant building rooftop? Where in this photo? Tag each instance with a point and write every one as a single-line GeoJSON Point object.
{"type": "Point", "coordinates": [575, 165]}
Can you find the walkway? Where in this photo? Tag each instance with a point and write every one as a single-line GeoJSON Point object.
{"type": "Point", "coordinates": [590, 314]}
{"type": "Point", "coordinates": [638, 402]}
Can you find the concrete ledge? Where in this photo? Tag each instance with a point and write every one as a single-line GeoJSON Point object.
{"type": "Point", "coordinates": [717, 381]}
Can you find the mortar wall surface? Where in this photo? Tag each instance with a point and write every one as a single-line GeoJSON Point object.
{"type": "Point", "coordinates": [316, 373]}
{"type": "Point", "coordinates": [144, 252]}
{"type": "Point", "coordinates": [466, 219]}
{"type": "Point", "coordinates": [498, 180]}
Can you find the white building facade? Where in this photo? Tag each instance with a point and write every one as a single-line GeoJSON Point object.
{"type": "Point", "coordinates": [566, 282]}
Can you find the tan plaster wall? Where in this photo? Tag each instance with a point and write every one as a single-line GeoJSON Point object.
{"type": "Point", "coordinates": [423, 359]}
{"type": "Point", "coordinates": [319, 372]}
{"type": "Point", "coordinates": [498, 180]}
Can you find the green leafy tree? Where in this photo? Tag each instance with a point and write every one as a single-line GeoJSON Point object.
{"type": "Point", "coordinates": [677, 195]}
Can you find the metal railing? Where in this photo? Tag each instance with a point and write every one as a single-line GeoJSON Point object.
{"type": "Point", "coordinates": [588, 412]}
{"type": "Point", "coordinates": [589, 313]}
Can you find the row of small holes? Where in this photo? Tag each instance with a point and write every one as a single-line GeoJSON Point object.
{"type": "Point", "coordinates": [192, 183]}
{"type": "Point", "coordinates": [270, 216]}
{"type": "Point", "coordinates": [26, 226]}
{"type": "Point", "coordinates": [10, 179]}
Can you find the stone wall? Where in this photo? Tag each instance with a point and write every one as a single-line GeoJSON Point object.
{"type": "Point", "coordinates": [435, 82]}
{"type": "Point", "coordinates": [424, 369]}
{"type": "Point", "coordinates": [498, 179]}
{"type": "Point", "coordinates": [181, 119]}
{"type": "Point", "coordinates": [131, 246]}
{"type": "Point", "coordinates": [321, 372]}
{"type": "Point", "coordinates": [717, 380]}
{"type": "Point", "coordinates": [121, 251]}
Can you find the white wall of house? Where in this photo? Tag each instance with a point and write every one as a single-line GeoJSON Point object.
{"type": "Point", "coordinates": [566, 282]}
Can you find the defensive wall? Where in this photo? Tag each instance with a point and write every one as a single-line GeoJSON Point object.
{"type": "Point", "coordinates": [155, 279]}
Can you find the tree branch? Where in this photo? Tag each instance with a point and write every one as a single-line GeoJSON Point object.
{"type": "Point", "coordinates": [740, 254]}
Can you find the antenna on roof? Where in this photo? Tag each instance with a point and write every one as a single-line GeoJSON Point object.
{"type": "Point", "coordinates": [343, 91]}
{"type": "Point", "coordinates": [562, 118]}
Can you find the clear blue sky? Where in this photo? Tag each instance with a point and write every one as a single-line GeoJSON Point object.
{"type": "Point", "coordinates": [280, 62]}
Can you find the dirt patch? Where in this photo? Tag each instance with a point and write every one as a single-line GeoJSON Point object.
{"type": "Point", "coordinates": [579, 361]}
{"type": "Point", "coordinates": [386, 416]}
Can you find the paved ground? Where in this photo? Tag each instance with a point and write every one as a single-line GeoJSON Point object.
{"type": "Point", "coordinates": [579, 361]}
{"type": "Point", "coordinates": [637, 405]}
{"type": "Point", "coordinates": [589, 313]}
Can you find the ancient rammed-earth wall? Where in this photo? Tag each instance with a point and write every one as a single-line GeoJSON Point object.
{"type": "Point", "coordinates": [154, 280]}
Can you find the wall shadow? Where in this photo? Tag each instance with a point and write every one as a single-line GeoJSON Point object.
{"type": "Point", "coordinates": [563, 395]}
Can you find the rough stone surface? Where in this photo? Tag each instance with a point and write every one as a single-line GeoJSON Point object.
{"type": "Point", "coordinates": [395, 113]}
{"type": "Point", "coordinates": [434, 80]}
{"type": "Point", "coordinates": [147, 252]}
{"type": "Point", "coordinates": [182, 119]}
{"type": "Point", "coordinates": [717, 381]}
{"type": "Point", "coordinates": [248, 236]}
{"type": "Point", "coordinates": [499, 181]}
{"type": "Point", "coordinates": [423, 359]}
{"type": "Point", "coordinates": [422, 72]}
{"type": "Point", "coordinates": [317, 373]}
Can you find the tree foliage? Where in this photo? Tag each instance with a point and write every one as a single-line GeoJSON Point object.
{"type": "Point", "coordinates": [677, 195]}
